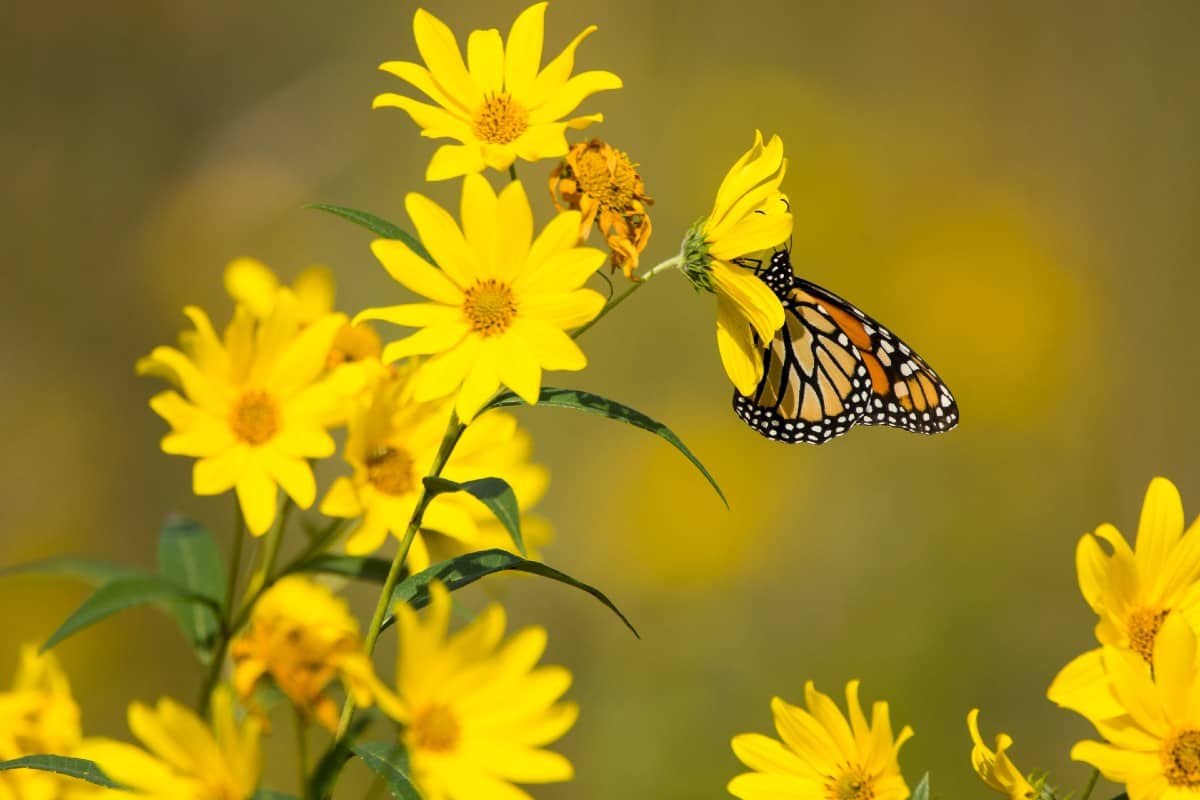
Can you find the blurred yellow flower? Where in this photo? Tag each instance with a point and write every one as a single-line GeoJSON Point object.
{"type": "Point", "coordinates": [38, 715]}
{"type": "Point", "coordinates": [994, 767]}
{"type": "Point", "coordinates": [501, 303]}
{"type": "Point", "coordinates": [822, 756]}
{"type": "Point", "coordinates": [476, 711]}
{"type": "Point", "coordinates": [500, 105]}
{"type": "Point", "coordinates": [391, 445]}
{"type": "Point", "coordinates": [1154, 748]}
{"type": "Point", "coordinates": [1132, 591]}
{"type": "Point", "coordinates": [257, 404]}
{"type": "Point", "coordinates": [749, 215]}
{"type": "Point", "coordinates": [600, 182]}
{"type": "Point", "coordinates": [252, 284]}
{"type": "Point", "coordinates": [304, 638]}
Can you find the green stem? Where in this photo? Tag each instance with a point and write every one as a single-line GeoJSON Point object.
{"type": "Point", "coordinates": [258, 581]}
{"type": "Point", "coordinates": [301, 747]}
{"type": "Point", "coordinates": [1091, 784]}
{"type": "Point", "coordinates": [621, 298]}
{"type": "Point", "coordinates": [235, 562]}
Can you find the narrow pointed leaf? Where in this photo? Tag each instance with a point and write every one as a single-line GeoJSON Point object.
{"type": "Point", "coordinates": [390, 762]}
{"type": "Point", "coordinates": [466, 569]}
{"type": "Point", "coordinates": [363, 568]}
{"type": "Point", "coordinates": [494, 493]}
{"type": "Point", "coordinates": [120, 595]}
{"type": "Point", "coordinates": [922, 790]}
{"type": "Point", "coordinates": [325, 773]}
{"type": "Point", "coordinates": [188, 556]}
{"type": "Point", "coordinates": [595, 404]}
{"type": "Point", "coordinates": [376, 225]}
{"type": "Point", "coordinates": [88, 570]}
{"type": "Point", "coordinates": [79, 768]}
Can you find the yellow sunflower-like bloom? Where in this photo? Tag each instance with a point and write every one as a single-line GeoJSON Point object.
{"type": "Point", "coordinates": [252, 284]}
{"type": "Point", "coordinates": [476, 711]}
{"type": "Point", "coordinates": [750, 215]}
{"type": "Point", "coordinates": [391, 446]}
{"type": "Point", "coordinates": [822, 755]}
{"type": "Point", "coordinates": [994, 767]}
{"type": "Point", "coordinates": [1154, 747]}
{"type": "Point", "coordinates": [255, 404]}
{"type": "Point", "coordinates": [184, 757]}
{"type": "Point", "coordinates": [500, 105]}
{"type": "Point", "coordinates": [501, 300]}
{"type": "Point", "coordinates": [1132, 591]}
{"type": "Point", "coordinates": [38, 715]}
{"type": "Point", "coordinates": [601, 183]}
{"type": "Point", "coordinates": [304, 638]}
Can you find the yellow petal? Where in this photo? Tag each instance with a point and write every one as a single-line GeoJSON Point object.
{"type": "Point", "coordinates": [453, 160]}
{"type": "Point", "coordinates": [219, 473]}
{"type": "Point", "coordinates": [517, 368]}
{"type": "Point", "coordinates": [583, 121]}
{"type": "Point", "coordinates": [370, 534]}
{"type": "Point", "coordinates": [434, 339]}
{"type": "Point", "coordinates": [252, 284]}
{"type": "Point", "coordinates": [414, 315]}
{"type": "Point", "coordinates": [743, 362]}
{"type": "Point", "coordinates": [315, 290]}
{"type": "Point", "coordinates": [562, 233]}
{"type": "Point", "coordinates": [419, 77]}
{"type": "Point", "coordinates": [754, 167]}
{"type": "Point", "coordinates": [480, 384]}
{"type": "Point", "coordinates": [562, 309]}
{"type": "Point", "coordinates": [551, 79]}
{"type": "Point", "coordinates": [523, 53]}
{"type": "Point", "coordinates": [1174, 668]}
{"type": "Point", "coordinates": [515, 218]}
{"type": "Point", "coordinates": [568, 96]}
{"type": "Point", "coordinates": [256, 494]}
{"type": "Point", "coordinates": [485, 60]}
{"type": "Point", "coordinates": [442, 374]}
{"type": "Point", "coordinates": [443, 239]}
{"type": "Point", "coordinates": [548, 140]}
{"type": "Point", "coordinates": [830, 717]}
{"type": "Point", "coordinates": [1083, 687]}
{"type": "Point", "coordinates": [760, 786]}
{"type": "Point", "coordinates": [194, 431]}
{"type": "Point", "coordinates": [198, 387]}
{"type": "Point", "coordinates": [757, 199]}
{"type": "Point", "coordinates": [435, 122]}
{"type": "Point", "coordinates": [1130, 679]}
{"type": "Point", "coordinates": [803, 734]}
{"type": "Point", "coordinates": [479, 217]}
{"type": "Point", "coordinates": [765, 754]}
{"type": "Point", "coordinates": [1159, 529]}
{"type": "Point", "coordinates": [553, 349]}
{"type": "Point", "coordinates": [561, 271]}
{"type": "Point", "coordinates": [341, 500]}
{"type": "Point", "coordinates": [294, 475]}
{"type": "Point", "coordinates": [437, 46]}
{"type": "Point", "coordinates": [753, 299]}
{"type": "Point", "coordinates": [415, 273]}
{"type": "Point", "coordinates": [751, 234]}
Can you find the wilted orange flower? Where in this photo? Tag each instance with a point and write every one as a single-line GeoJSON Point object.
{"type": "Point", "coordinates": [600, 181]}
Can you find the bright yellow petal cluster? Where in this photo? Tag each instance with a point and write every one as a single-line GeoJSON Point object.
{"type": "Point", "coordinates": [823, 755]}
{"type": "Point", "coordinates": [255, 404]}
{"type": "Point", "coordinates": [1132, 591]}
{"type": "Point", "coordinates": [1154, 746]}
{"type": "Point", "coordinates": [749, 216]}
{"type": "Point", "coordinates": [38, 715]}
{"type": "Point", "coordinates": [501, 104]}
{"type": "Point", "coordinates": [392, 443]}
{"type": "Point", "coordinates": [500, 302]}
{"type": "Point", "coordinates": [994, 767]}
{"type": "Point", "coordinates": [304, 638]}
{"type": "Point", "coordinates": [184, 757]}
{"type": "Point", "coordinates": [476, 710]}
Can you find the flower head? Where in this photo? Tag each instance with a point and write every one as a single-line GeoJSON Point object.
{"type": "Point", "coordinates": [600, 182]}
{"type": "Point", "coordinates": [1132, 591]}
{"type": "Point", "coordinates": [476, 711]}
{"type": "Point", "coordinates": [1154, 747]}
{"type": "Point", "coordinates": [501, 300]}
{"type": "Point", "coordinates": [750, 215]}
{"type": "Point", "coordinates": [822, 755]}
{"type": "Point", "coordinates": [38, 715]}
{"type": "Point", "coordinates": [501, 105]}
{"type": "Point", "coordinates": [304, 638]}
{"type": "Point", "coordinates": [994, 767]}
{"type": "Point", "coordinates": [255, 405]}
{"type": "Point", "coordinates": [184, 757]}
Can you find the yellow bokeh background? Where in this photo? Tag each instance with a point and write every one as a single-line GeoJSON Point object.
{"type": "Point", "coordinates": [1012, 187]}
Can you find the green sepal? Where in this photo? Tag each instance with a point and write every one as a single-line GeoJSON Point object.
{"type": "Point", "coordinates": [376, 225]}
{"type": "Point", "coordinates": [79, 768]}
{"type": "Point", "coordinates": [922, 790]}
{"type": "Point", "coordinates": [390, 761]}
{"type": "Point", "coordinates": [495, 493]}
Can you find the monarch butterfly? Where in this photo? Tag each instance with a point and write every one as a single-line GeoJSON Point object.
{"type": "Point", "coordinates": [831, 366]}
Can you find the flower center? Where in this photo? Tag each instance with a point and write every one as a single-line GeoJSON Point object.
{"type": "Point", "coordinates": [1181, 759]}
{"type": "Point", "coordinates": [353, 343]}
{"type": "Point", "coordinates": [255, 417]}
{"type": "Point", "coordinates": [1143, 627]}
{"type": "Point", "coordinates": [500, 120]}
{"type": "Point", "coordinates": [490, 307]}
{"type": "Point", "coordinates": [435, 728]}
{"type": "Point", "coordinates": [607, 175]}
{"type": "Point", "coordinates": [853, 784]}
{"type": "Point", "coordinates": [391, 471]}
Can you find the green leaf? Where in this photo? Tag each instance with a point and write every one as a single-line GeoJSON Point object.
{"type": "Point", "coordinates": [325, 774]}
{"type": "Point", "coordinates": [595, 404]}
{"type": "Point", "coordinates": [79, 768]}
{"type": "Point", "coordinates": [363, 568]}
{"type": "Point", "coordinates": [390, 762]}
{"type": "Point", "coordinates": [922, 790]}
{"type": "Point", "coordinates": [376, 225]}
{"type": "Point", "coordinates": [188, 556]}
{"type": "Point", "coordinates": [87, 570]}
{"type": "Point", "coordinates": [119, 595]}
{"type": "Point", "coordinates": [466, 569]}
{"type": "Point", "coordinates": [270, 794]}
{"type": "Point", "coordinates": [494, 493]}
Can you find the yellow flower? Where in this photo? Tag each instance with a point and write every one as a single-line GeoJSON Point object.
{"type": "Point", "coordinates": [600, 182]}
{"type": "Point", "coordinates": [995, 768]}
{"type": "Point", "coordinates": [184, 758]}
{"type": "Point", "coordinates": [1154, 748]}
{"type": "Point", "coordinates": [501, 304]}
{"type": "Point", "coordinates": [38, 715]}
{"type": "Point", "coordinates": [476, 711]}
{"type": "Point", "coordinates": [822, 756]}
{"type": "Point", "coordinates": [391, 445]}
{"type": "Point", "coordinates": [1132, 591]}
{"type": "Point", "coordinates": [750, 215]}
{"type": "Point", "coordinates": [253, 285]}
{"type": "Point", "coordinates": [257, 404]}
{"type": "Point", "coordinates": [500, 104]}
{"type": "Point", "coordinates": [304, 637]}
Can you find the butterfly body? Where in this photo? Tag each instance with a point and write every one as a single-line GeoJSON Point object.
{"type": "Point", "coordinates": [831, 366]}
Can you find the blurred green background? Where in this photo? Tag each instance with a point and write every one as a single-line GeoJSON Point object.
{"type": "Point", "coordinates": [1013, 187]}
